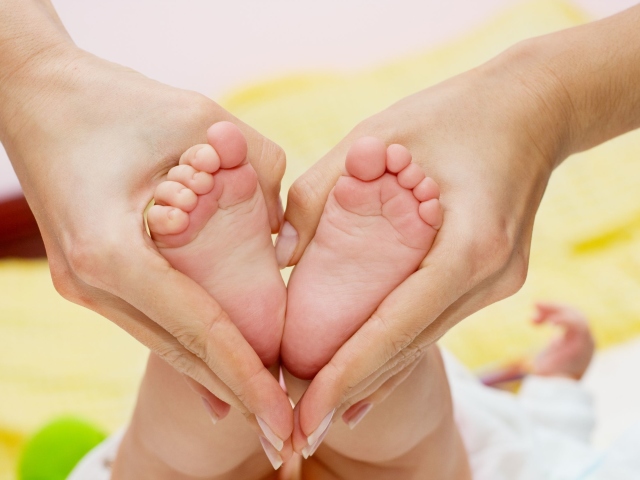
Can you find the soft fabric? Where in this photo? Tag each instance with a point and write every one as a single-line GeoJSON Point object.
{"type": "Point", "coordinates": [543, 432]}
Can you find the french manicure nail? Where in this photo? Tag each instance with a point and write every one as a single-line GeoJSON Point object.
{"type": "Point", "coordinates": [358, 414]}
{"type": "Point", "coordinates": [286, 244]}
{"type": "Point", "coordinates": [212, 414]}
{"type": "Point", "coordinates": [318, 443]}
{"type": "Point", "coordinates": [280, 211]}
{"type": "Point", "coordinates": [270, 435]}
{"type": "Point", "coordinates": [324, 425]}
{"type": "Point", "coordinates": [305, 452]}
{"type": "Point", "coordinates": [273, 456]}
{"type": "Point", "coordinates": [309, 450]}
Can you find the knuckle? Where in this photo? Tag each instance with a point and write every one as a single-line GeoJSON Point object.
{"type": "Point", "coordinates": [407, 356]}
{"type": "Point", "coordinates": [198, 107]}
{"type": "Point", "coordinates": [277, 160]}
{"type": "Point", "coordinates": [94, 260]}
{"type": "Point", "coordinates": [519, 268]}
{"type": "Point", "coordinates": [302, 195]}
{"type": "Point", "coordinates": [490, 252]}
{"type": "Point", "coordinates": [196, 338]}
{"type": "Point", "coordinates": [379, 126]}
{"type": "Point", "coordinates": [244, 387]}
{"type": "Point", "coordinates": [398, 340]}
{"type": "Point", "coordinates": [63, 280]}
{"type": "Point", "coordinates": [509, 283]}
{"type": "Point", "coordinates": [179, 360]}
{"type": "Point", "coordinates": [334, 375]}
{"type": "Point", "coordinates": [515, 275]}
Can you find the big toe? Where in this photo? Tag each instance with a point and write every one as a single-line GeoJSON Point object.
{"type": "Point", "coordinates": [367, 158]}
{"type": "Point", "coordinates": [229, 143]}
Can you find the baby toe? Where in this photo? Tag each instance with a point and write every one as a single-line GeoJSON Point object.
{"type": "Point", "coordinates": [176, 195]}
{"type": "Point", "coordinates": [164, 220]}
{"type": "Point", "coordinates": [431, 212]}
{"type": "Point", "coordinates": [426, 190]}
{"type": "Point", "coordinates": [398, 158]}
{"type": "Point", "coordinates": [411, 176]}
{"type": "Point", "coordinates": [228, 142]}
{"type": "Point", "coordinates": [199, 182]}
{"type": "Point", "coordinates": [366, 159]}
{"type": "Point", "coordinates": [201, 157]}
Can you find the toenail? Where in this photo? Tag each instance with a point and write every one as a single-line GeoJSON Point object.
{"type": "Point", "coordinates": [286, 244]}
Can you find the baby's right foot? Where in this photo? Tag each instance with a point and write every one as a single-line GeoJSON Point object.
{"type": "Point", "coordinates": [377, 226]}
{"type": "Point", "coordinates": [210, 222]}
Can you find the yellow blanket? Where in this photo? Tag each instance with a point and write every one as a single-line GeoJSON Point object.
{"type": "Point", "coordinates": [59, 358]}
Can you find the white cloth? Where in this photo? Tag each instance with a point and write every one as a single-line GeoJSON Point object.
{"type": "Point", "coordinates": [542, 433]}
{"type": "Point", "coordinates": [96, 465]}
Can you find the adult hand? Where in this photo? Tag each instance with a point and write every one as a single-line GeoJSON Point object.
{"type": "Point", "coordinates": [89, 141]}
{"type": "Point", "coordinates": [490, 138]}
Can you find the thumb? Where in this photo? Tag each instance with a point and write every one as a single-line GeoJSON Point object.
{"type": "Point", "coordinates": [305, 204]}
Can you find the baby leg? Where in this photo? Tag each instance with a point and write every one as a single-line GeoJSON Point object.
{"type": "Point", "coordinates": [171, 436]}
{"type": "Point", "coordinates": [410, 435]}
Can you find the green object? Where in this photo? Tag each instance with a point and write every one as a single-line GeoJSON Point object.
{"type": "Point", "coordinates": [52, 452]}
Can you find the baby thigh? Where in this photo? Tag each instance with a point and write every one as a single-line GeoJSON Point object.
{"type": "Point", "coordinates": [172, 436]}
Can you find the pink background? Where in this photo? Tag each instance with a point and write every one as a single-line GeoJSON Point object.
{"type": "Point", "coordinates": [214, 46]}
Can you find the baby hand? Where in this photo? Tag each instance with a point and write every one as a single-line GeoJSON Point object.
{"type": "Point", "coordinates": [570, 354]}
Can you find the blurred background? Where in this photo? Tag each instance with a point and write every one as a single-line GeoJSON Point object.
{"type": "Point", "coordinates": [304, 75]}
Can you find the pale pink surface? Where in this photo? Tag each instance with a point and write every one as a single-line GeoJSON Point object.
{"type": "Point", "coordinates": [214, 46]}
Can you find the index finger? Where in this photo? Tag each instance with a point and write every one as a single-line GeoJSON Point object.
{"type": "Point", "coordinates": [144, 279]}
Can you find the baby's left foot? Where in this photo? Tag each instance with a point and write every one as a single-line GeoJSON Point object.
{"type": "Point", "coordinates": [378, 224]}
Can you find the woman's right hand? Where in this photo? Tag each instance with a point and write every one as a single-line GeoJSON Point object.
{"type": "Point", "coordinates": [490, 138]}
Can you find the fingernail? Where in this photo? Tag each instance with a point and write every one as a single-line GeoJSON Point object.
{"type": "Point", "coordinates": [318, 443]}
{"type": "Point", "coordinates": [271, 436]}
{"type": "Point", "coordinates": [273, 456]}
{"type": "Point", "coordinates": [280, 211]}
{"type": "Point", "coordinates": [352, 418]}
{"type": "Point", "coordinates": [309, 450]}
{"type": "Point", "coordinates": [212, 414]}
{"type": "Point", "coordinates": [286, 244]}
{"type": "Point", "coordinates": [324, 425]}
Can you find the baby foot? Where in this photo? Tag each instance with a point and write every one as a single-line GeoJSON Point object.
{"type": "Point", "coordinates": [378, 224]}
{"type": "Point", "coordinates": [210, 222]}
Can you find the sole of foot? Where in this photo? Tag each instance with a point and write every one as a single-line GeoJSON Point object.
{"type": "Point", "coordinates": [378, 224]}
{"type": "Point", "coordinates": [210, 222]}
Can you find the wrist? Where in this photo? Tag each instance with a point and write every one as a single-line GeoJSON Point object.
{"type": "Point", "coordinates": [29, 86]}
{"type": "Point", "coordinates": [34, 47]}
{"type": "Point", "coordinates": [585, 81]}
{"type": "Point", "coordinates": [539, 102]}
